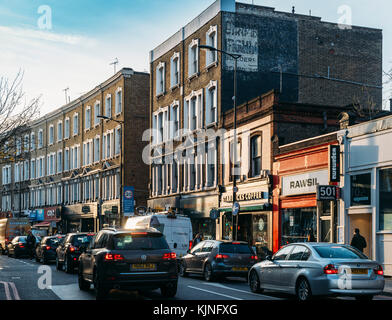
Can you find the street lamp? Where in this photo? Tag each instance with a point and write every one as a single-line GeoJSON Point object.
{"type": "Point", "coordinates": [121, 162]}
{"type": "Point", "coordinates": [235, 57]}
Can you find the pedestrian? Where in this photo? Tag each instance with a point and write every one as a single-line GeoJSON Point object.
{"type": "Point", "coordinates": [197, 239]}
{"type": "Point", "coordinates": [30, 244]}
{"type": "Point", "coordinates": [358, 241]}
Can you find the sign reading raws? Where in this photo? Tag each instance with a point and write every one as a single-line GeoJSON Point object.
{"type": "Point", "coordinates": [304, 183]}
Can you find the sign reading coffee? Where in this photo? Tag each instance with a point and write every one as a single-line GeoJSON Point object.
{"type": "Point", "coordinates": [258, 195]}
{"type": "Point", "coordinates": [304, 183]}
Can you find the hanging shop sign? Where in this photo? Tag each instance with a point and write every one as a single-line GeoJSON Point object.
{"type": "Point", "coordinates": [327, 193]}
{"type": "Point", "coordinates": [334, 163]}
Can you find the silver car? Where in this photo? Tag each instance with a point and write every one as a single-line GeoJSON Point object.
{"type": "Point", "coordinates": [318, 269]}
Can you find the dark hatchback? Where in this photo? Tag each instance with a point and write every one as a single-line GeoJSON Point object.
{"type": "Point", "coordinates": [46, 249]}
{"type": "Point", "coordinates": [17, 247]}
{"type": "Point", "coordinates": [68, 251]}
{"type": "Point", "coordinates": [128, 260]}
{"type": "Point", "coordinates": [217, 259]}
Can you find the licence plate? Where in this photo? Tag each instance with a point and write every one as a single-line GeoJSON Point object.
{"type": "Point", "coordinates": [144, 266]}
{"type": "Point", "coordinates": [239, 269]}
{"type": "Point", "coordinates": [359, 271]}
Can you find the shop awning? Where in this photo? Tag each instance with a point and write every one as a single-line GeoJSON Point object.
{"type": "Point", "coordinates": [42, 224]}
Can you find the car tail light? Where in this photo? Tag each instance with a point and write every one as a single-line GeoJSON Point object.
{"type": "Point", "coordinates": [379, 271]}
{"type": "Point", "coordinates": [113, 257]}
{"type": "Point", "coordinates": [236, 243]}
{"type": "Point", "coordinates": [221, 256]}
{"type": "Point", "coordinates": [72, 249]}
{"type": "Point", "coordinates": [330, 269]}
{"type": "Point", "coordinates": [47, 247]}
{"type": "Point", "coordinates": [253, 258]}
{"type": "Point", "coordinates": [169, 256]}
{"type": "Point", "coordinates": [20, 244]}
{"type": "Point", "coordinates": [190, 245]}
{"type": "Point", "coordinates": [90, 234]}
{"type": "Point", "coordinates": [139, 233]}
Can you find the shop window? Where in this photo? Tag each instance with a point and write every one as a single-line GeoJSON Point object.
{"type": "Point", "coordinates": [385, 220]}
{"type": "Point", "coordinates": [299, 225]}
{"type": "Point", "coordinates": [360, 189]}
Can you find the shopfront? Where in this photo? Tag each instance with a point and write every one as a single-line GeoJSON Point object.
{"type": "Point", "coordinates": [299, 215]}
{"type": "Point", "coordinates": [253, 224]}
{"type": "Point", "coordinates": [80, 218]}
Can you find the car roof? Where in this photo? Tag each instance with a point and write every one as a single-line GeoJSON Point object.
{"type": "Point", "coordinates": [141, 229]}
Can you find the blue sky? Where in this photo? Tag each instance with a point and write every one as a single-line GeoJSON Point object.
{"type": "Point", "coordinates": [87, 35]}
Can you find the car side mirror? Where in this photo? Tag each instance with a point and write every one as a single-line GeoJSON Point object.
{"type": "Point", "coordinates": [268, 257]}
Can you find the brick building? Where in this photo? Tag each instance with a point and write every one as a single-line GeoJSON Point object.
{"type": "Point", "coordinates": [77, 161]}
{"type": "Point", "coordinates": [307, 60]}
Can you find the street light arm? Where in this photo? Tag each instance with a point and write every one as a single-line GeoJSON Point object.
{"type": "Point", "coordinates": [233, 55]}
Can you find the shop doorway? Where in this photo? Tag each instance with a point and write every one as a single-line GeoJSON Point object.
{"type": "Point", "coordinates": [364, 223]}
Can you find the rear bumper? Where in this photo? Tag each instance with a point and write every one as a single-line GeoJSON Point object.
{"type": "Point", "coordinates": [140, 280]}
{"type": "Point", "coordinates": [221, 269]}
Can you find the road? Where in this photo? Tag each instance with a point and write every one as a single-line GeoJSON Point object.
{"type": "Point", "coordinates": [25, 279]}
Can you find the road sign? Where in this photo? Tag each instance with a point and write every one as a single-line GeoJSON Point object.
{"type": "Point", "coordinates": [236, 208]}
{"type": "Point", "coordinates": [235, 189]}
{"type": "Point", "coordinates": [327, 193]}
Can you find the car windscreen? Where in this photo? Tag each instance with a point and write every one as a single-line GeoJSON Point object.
{"type": "Point", "coordinates": [53, 242]}
{"type": "Point", "coordinates": [235, 248]}
{"type": "Point", "coordinates": [141, 241]}
{"type": "Point", "coordinates": [22, 239]}
{"type": "Point", "coordinates": [338, 252]}
{"type": "Point", "coordinates": [81, 240]}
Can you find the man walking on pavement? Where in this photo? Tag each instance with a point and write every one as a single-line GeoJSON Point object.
{"type": "Point", "coordinates": [30, 244]}
{"type": "Point", "coordinates": [358, 241]}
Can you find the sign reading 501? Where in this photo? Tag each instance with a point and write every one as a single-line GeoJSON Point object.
{"type": "Point", "coordinates": [328, 193]}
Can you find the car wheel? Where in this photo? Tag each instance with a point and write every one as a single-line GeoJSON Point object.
{"type": "Point", "coordinates": [83, 284]}
{"type": "Point", "coordinates": [101, 292]}
{"type": "Point", "coordinates": [303, 291]}
{"type": "Point", "coordinates": [37, 259]}
{"type": "Point", "coordinates": [44, 260]}
{"type": "Point", "coordinates": [208, 274]}
{"type": "Point", "coordinates": [183, 272]}
{"type": "Point", "coordinates": [254, 283]}
{"type": "Point", "coordinates": [58, 264]}
{"type": "Point", "coordinates": [364, 298]}
{"type": "Point", "coordinates": [169, 290]}
{"type": "Point", "coordinates": [67, 265]}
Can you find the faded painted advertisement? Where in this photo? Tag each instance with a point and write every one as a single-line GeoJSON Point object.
{"type": "Point", "coordinates": [242, 41]}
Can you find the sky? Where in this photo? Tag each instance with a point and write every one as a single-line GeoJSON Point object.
{"type": "Point", "coordinates": [62, 44]}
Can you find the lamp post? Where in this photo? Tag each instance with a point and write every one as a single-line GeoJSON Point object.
{"type": "Point", "coordinates": [121, 163]}
{"type": "Point", "coordinates": [235, 57]}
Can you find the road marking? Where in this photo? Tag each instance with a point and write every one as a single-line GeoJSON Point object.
{"type": "Point", "coordinates": [15, 291]}
{"type": "Point", "coordinates": [71, 292]}
{"type": "Point", "coordinates": [219, 294]}
{"type": "Point", "coordinates": [218, 285]}
{"type": "Point", "coordinates": [7, 290]}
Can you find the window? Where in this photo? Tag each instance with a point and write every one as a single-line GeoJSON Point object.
{"type": "Point", "coordinates": [175, 70]}
{"type": "Point", "coordinates": [59, 161]}
{"type": "Point", "coordinates": [211, 40]}
{"type": "Point", "coordinates": [32, 169]}
{"type": "Point", "coordinates": [32, 141]}
{"type": "Point", "coordinates": [97, 112]}
{"type": "Point", "coordinates": [360, 189]}
{"type": "Point", "coordinates": [193, 58]}
{"type": "Point", "coordinates": [237, 165]}
{"type": "Point", "coordinates": [160, 78]}
{"type": "Point", "coordinates": [117, 141]}
{"type": "Point", "coordinates": [211, 103]}
{"type": "Point", "coordinates": [255, 157]}
{"type": "Point", "coordinates": [97, 149]}
{"type": "Point", "coordinates": [174, 119]}
{"type": "Point", "coordinates": [87, 152]}
{"type": "Point", "coordinates": [40, 139]}
{"type": "Point", "coordinates": [385, 190]}
{"type": "Point", "coordinates": [118, 101]}
{"type": "Point", "coordinates": [66, 159]}
{"type": "Point", "coordinates": [338, 252]}
{"type": "Point", "coordinates": [235, 248]}
{"type": "Point", "coordinates": [76, 124]}
{"type": "Point", "coordinates": [18, 144]}
{"type": "Point", "coordinates": [26, 170]}
{"type": "Point", "coordinates": [59, 131]}
{"type": "Point", "coordinates": [26, 143]}
{"type": "Point", "coordinates": [108, 106]}
{"type": "Point", "coordinates": [87, 118]}
{"type": "Point", "coordinates": [282, 253]}
{"type": "Point", "coordinates": [299, 253]}
{"type": "Point", "coordinates": [51, 134]}
{"type": "Point", "coordinates": [299, 225]}
{"type": "Point", "coordinates": [107, 147]}
{"type": "Point", "coordinates": [67, 129]}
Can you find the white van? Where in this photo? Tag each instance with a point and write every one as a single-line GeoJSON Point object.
{"type": "Point", "coordinates": [176, 228]}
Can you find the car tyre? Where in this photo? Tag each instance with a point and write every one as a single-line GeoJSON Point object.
{"type": "Point", "coordinates": [208, 273]}
{"type": "Point", "coordinates": [254, 282]}
{"type": "Point", "coordinates": [303, 291]}
{"type": "Point", "coordinates": [183, 272]}
{"type": "Point", "coordinates": [364, 298]}
{"type": "Point", "coordinates": [101, 292]}
{"type": "Point", "coordinates": [37, 259]}
{"type": "Point", "coordinates": [83, 284]}
{"type": "Point", "coordinates": [169, 290]}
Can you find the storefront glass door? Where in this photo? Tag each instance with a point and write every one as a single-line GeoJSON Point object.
{"type": "Point", "coordinates": [299, 225]}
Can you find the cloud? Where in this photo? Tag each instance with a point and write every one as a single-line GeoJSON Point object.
{"type": "Point", "coordinates": [47, 36]}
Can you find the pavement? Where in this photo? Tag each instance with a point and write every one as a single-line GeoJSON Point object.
{"type": "Point", "coordinates": [388, 286]}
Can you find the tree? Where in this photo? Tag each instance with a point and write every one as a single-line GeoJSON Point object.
{"type": "Point", "coordinates": [16, 113]}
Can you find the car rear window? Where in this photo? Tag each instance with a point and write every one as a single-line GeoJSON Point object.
{"type": "Point", "coordinates": [129, 241]}
{"type": "Point", "coordinates": [235, 248]}
{"type": "Point", "coordinates": [82, 239]}
{"type": "Point", "coordinates": [22, 239]}
{"type": "Point", "coordinates": [53, 242]}
{"type": "Point", "coordinates": [339, 252]}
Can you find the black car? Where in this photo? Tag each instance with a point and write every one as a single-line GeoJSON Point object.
{"type": "Point", "coordinates": [68, 251]}
{"type": "Point", "coordinates": [128, 260]}
{"type": "Point", "coordinates": [217, 259]}
{"type": "Point", "coordinates": [46, 249]}
{"type": "Point", "coordinates": [18, 247]}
